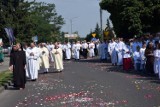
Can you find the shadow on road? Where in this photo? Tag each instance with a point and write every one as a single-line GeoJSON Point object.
{"type": "Point", "coordinates": [132, 73]}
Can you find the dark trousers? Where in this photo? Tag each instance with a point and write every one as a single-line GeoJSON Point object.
{"type": "Point", "coordinates": [85, 53]}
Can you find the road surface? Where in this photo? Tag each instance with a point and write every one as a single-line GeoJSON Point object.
{"type": "Point", "coordinates": [86, 83]}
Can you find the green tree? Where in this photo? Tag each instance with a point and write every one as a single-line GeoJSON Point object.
{"type": "Point", "coordinates": [97, 31]}
{"type": "Point", "coordinates": [29, 19]}
{"type": "Point", "coordinates": [133, 17]}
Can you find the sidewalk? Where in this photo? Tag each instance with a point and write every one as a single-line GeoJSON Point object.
{"type": "Point", "coordinates": [5, 65]}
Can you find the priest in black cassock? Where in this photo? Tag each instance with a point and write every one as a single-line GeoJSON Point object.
{"type": "Point", "coordinates": [17, 65]}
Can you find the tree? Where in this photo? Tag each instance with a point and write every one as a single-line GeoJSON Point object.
{"type": "Point", "coordinates": [133, 17]}
{"type": "Point", "coordinates": [29, 19]}
{"type": "Point", "coordinates": [97, 31]}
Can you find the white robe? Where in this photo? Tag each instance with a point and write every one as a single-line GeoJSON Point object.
{"type": "Point", "coordinates": [99, 50]}
{"type": "Point", "coordinates": [32, 62]}
{"type": "Point", "coordinates": [103, 51]}
{"type": "Point", "coordinates": [73, 50]}
{"type": "Point", "coordinates": [119, 48]}
{"type": "Point", "coordinates": [143, 58]}
{"type": "Point", "coordinates": [157, 57]}
{"type": "Point", "coordinates": [45, 57]}
{"type": "Point", "coordinates": [58, 59]}
{"type": "Point", "coordinates": [112, 52]}
{"type": "Point", "coordinates": [77, 48]}
{"type": "Point", "coordinates": [156, 62]}
{"type": "Point", "coordinates": [68, 51]}
{"type": "Point", "coordinates": [91, 50]}
{"type": "Point", "coordinates": [84, 46]}
{"type": "Point", "coordinates": [126, 52]}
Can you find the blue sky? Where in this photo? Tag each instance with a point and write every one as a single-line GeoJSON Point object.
{"type": "Point", "coordinates": [85, 11]}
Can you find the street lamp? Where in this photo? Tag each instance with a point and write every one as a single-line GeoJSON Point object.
{"type": "Point", "coordinates": [71, 22]}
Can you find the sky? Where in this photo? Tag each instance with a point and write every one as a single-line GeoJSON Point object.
{"type": "Point", "coordinates": [84, 14]}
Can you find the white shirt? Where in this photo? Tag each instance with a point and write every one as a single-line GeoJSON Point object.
{"type": "Point", "coordinates": [142, 55]}
{"type": "Point", "coordinates": [77, 47]}
{"type": "Point", "coordinates": [119, 46]}
{"type": "Point", "coordinates": [126, 51]}
{"type": "Point", "coordinates": [91, 46]}
{"type": "Point", "coordinates": [111, 46]}
{"type": "Point", "coordinates": [137, 57]}
{"type": "Point", "coordinates": [84, 45]}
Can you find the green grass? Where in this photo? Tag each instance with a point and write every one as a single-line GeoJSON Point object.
{"type": "Point", "coordinates": [5, 77]}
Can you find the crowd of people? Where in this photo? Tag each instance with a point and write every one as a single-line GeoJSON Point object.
{"type": "Point", "coordinates": [27, 60]}
{"type": "Point", "coordinates": [141, 54]}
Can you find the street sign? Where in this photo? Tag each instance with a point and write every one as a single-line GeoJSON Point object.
{"type": "Point", "coordinates": [71, 36]}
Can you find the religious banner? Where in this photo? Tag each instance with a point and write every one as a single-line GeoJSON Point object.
{"type": "Point", "coordinates": [93, 35]}
{"type": "Point", "coordinates": [35, 38]}
{"type": "Point", "coordinates": [106, 34]}
{"type": "Point", "coordinates": [10, 34]}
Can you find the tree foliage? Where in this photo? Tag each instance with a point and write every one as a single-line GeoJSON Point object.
{"type": "Point", "coordinates": [133, 17]}
{"type": "Point", "coordinates": [29, 19]}
{"type": "Point", "coordinates": [97, 31]}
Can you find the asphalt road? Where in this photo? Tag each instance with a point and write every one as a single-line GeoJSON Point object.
{"type": "Point", "coordinates": [86, 83]}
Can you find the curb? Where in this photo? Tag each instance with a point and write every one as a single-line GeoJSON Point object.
{"type": "Point", "coordinates": [5, 86]}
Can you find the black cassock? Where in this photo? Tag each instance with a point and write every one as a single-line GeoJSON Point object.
{"type": "Point", "coordinates": [18, 60]}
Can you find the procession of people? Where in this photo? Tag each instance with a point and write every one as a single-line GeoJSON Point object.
{"type": "Point", "coordinates": [142, 55]}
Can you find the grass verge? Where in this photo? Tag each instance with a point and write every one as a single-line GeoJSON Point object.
{"type": "Point", "coordinates": [5, 76]}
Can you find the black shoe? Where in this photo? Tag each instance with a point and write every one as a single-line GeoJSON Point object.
{"type": "Point", "coordinates": [34, 80]}
{"type": "Point", "coordinates": [59, 71]}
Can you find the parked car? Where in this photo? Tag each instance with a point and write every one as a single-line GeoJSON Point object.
{"type": "Point", "coordinates": [6, 50]}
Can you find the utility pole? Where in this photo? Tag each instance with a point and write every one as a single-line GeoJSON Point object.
{"type": "Point", "coordinates": [71, 25]}
{"type": "Point", "coordinates": [71, 22]}
{"type": "Point", "coordinates": [101, 23]}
